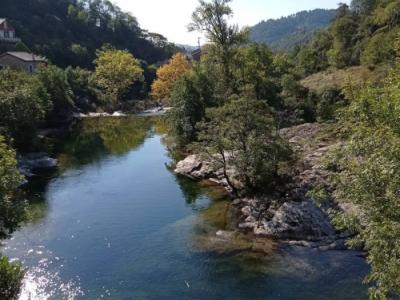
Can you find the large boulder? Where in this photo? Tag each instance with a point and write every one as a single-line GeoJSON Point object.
{"type": "Point", "coordinates": [193, 167]}
{"type": "Point", "coordinates": [298, 221]}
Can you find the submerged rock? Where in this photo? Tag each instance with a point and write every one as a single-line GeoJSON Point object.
{"type": "Point", "coordinates": [31, 162]}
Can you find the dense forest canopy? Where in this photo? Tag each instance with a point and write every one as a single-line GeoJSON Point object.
{"type": "Point", "coordinates": [363, 33]}
{"type": "Point", "coordinates": [295, 30]}
{"type": "Point", "coordinates": [68, 32]}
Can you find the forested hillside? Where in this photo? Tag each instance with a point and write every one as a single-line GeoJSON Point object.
{"type": "Point", "coordinates": [68, 32]}
{"type": "Point", "coordinates": [363, 33]}
{"type": "Point", "coordinates": [295, 30]}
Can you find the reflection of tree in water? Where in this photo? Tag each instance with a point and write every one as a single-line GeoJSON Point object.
{"type": "Point", "coordinates": [37, 206]}
{"type": "Point", "coordinates": [94, 138]}
{"type": "Point", "coordinates": [190, 189]}
{"type": "Point", "coordinates": [12, 213]}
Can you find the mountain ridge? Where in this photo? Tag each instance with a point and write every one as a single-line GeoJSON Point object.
{"type": "Point", "coordinates": [285, 33]}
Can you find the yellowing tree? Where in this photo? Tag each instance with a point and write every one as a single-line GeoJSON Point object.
{"type": "Point", "coordinates": [167, 75]}
{"type": "Point", "coordinates": [116, 71]}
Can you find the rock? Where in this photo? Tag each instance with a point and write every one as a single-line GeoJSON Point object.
{"type": "Point", "coordinates": [336, 245]}
{"type": "Point", "coordinates": [225, 235]}
{"type": "Point", "coordinates": [298, 221]}
{"type": "Point", "coordinates": [187, 166]}
{"type": "Point", "coordinates": [31, 162]}
{"type": "Point", "coordinates": [118, 114]}
{"type": "Point", "coordinates": [194, 168]}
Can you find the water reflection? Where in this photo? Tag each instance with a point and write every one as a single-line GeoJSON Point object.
{"type": "Point", "coordinates": [95, 138]}
{"type": "Point", "coordinates": [116, 223]}
{"type": "Point", "coordinates": [12, 213]}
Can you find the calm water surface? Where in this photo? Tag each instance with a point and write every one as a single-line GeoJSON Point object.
{"type": "Point", "coordinates": [115, 223]}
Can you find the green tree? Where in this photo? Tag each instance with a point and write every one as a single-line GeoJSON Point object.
{"type": "Point", "coordinates": [343, 31]}
{"type": "Point", "coordinates": [82, 84]}
{"type": "Point", "coordinates": [370, 178]}
{"type": "Point", "coordinates": [55, 81]}
{"type": "Point", "coordinates": [241, 139]}
{"type": "Point", "coordinates": [253, 69]}
{"type": "Point", "coordinates": [10, 179]}
{"type": "Point", "coordinates": [116, 71]}
{"type": "Point", "coordinates": [11, 275]}
{"type": "Point", "coordinates": [24, 103]}
{"type": "Point", "coordinates": [211, 18]}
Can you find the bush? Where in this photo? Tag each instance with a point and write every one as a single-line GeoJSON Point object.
{"type": "Point", "coordinates": [329, 101]}
{"type": "Point", "coordinates": [23, 105]}
{"type": "Point", "coordinates": [11, 275]}
{"type": "Point", "coordinates": [370, 178]}
{"type": "Point", "coordinates": [10, 179]}
{"type": "Point", "coordinates": [83, 88]}
{"type": "Point", "coordinates": [57, 86]}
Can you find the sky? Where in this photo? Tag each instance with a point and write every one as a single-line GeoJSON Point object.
{"type": "Point", "coordinates": [171, 17]}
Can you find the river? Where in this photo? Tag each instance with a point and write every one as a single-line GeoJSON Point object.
{"type": "Point", "coordinates": [113, 222]}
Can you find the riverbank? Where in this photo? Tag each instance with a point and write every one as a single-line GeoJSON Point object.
{"type": "Point", "coordinates": [291, 215]}
{"type": "Point", "coordinates": [113, 220]}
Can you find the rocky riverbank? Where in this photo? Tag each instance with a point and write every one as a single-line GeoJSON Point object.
{"type": "Point", "coordinates": [290, 215]}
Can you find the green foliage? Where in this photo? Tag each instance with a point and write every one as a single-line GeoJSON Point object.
{"type": "Point", "coordinates": [116, 71]}
{"type": "Point", "coordinates": [363, 33]}
{"type": "Point", "coordinates": [343, 32]}
{"type": "Point", "coordinates": [211, 18]}
{"type": "Point", "coordinates": [56, 84]}
{"type": "Point", "coordinates": [254, 70]}
{"type": "Point", "coordinates": [299, 104]}
{"type": "Point", "coordinates": [21, 47]}
{"type": "Point", "coordinates": [11, 275]}
{"type": "Point", "coordinates": [10, 179]}
{"type": "Point", "coordinates": [24, 103]}
{"type": "Point", "coordinates": [314, 57]}
{"type": "Point", "coordinates": [241, 139]}
{"type": "Point", "coordinates": [188, 110]}
{"type": "Point", "coordinates": [83, 88]}
{"type": "Point", "coordinates": [381, 47]}
{"type": "Point", "coordinates": [190, 98]}
{"type": "Point", "coordinates": [286, 33]}
{"type": "Point", "coordinates": [328, 103]}
{"type": "Point", "coordinates": [68, 32]}
{"type": "Point", "coordinates": [370, 177]}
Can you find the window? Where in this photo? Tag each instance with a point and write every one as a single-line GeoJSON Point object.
{"type": "Point", "coordinates": [6, 34]}
{"type": "Point", "coordinates": [30, 69]}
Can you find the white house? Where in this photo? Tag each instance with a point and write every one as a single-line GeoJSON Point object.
{"type": "Point", "coordinates": [7, 32]}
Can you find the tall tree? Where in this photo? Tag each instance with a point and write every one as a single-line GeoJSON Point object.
{"type": "Point", "coordinates": [211, 18]}
{"type": "Point", "coordinates": [116, 71]}
{"type": "Point", "coordinates": [24, 103]}
{"type": "Point", "coordinates": [167, 75]}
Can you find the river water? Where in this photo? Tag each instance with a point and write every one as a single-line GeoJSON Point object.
{"type": "Point", "coordinates": [113, 222]}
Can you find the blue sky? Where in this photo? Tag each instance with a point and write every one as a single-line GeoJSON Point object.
{"type": "Point", "coordinates": [170, 17]}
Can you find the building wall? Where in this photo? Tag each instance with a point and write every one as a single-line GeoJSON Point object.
{"type": "Point", "coordinates": [9, 61]}
{"type": "Point", "coordinates": [8, 34]}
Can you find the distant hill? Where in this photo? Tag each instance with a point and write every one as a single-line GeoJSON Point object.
{"type": "Point", "coordinates": [68, 32]}
{"type": "Point", "coordinates": [295, 30]}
